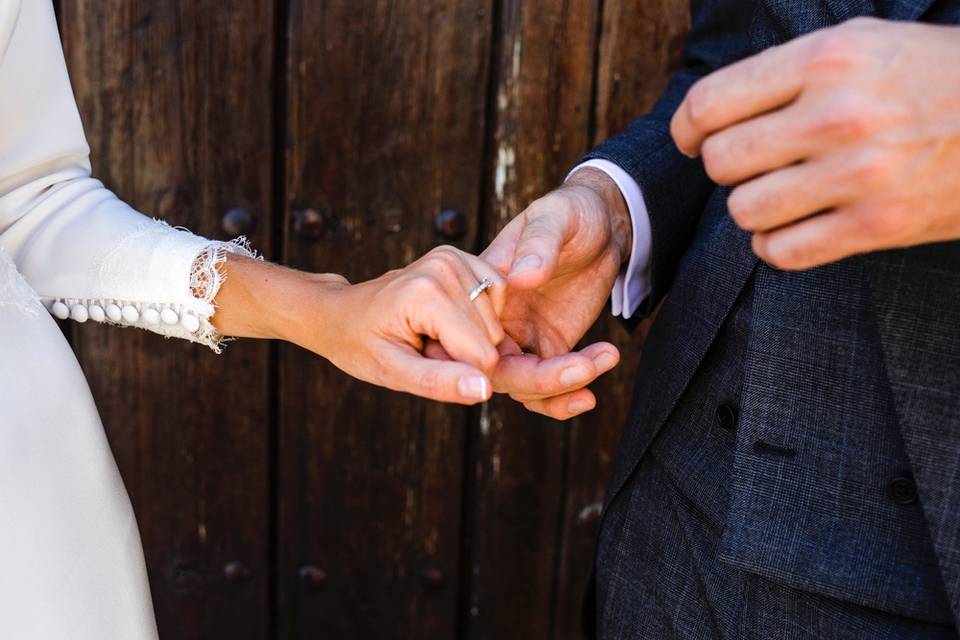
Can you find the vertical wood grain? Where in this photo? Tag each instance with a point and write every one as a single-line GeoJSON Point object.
{"type": "Point", "coordinates": [393, 110]}
{"type": "Point", "coordinates": [385, 122]}
{"type": "Point", "coordinates": [640, 45]}
{"type": "Point", "coordinates": [544, 77]}
{"type": "Point", "coordinates": [176, 101]}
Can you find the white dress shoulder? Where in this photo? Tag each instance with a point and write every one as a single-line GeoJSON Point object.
{"type": "Point", "coordinates": [71, 564]}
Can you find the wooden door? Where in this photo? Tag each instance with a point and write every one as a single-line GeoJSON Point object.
{"type": "Point", "coordinates": [176, 99]}
{"type": "Point", "coordinates": [277, 498]}
{"type": "Point", "coordinates": [386, 104]}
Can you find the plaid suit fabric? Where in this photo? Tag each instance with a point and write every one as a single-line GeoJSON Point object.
{"type": "Point", "coordinates": [668, 584]}
{"type": "Point", "coordinates": [848, 376]}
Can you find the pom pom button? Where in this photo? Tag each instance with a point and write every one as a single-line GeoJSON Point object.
{"type": "Point", "coordinates": [130, 314]}
{"type": "Point", "coordinates": [79, 313]}
{"type": "Point", "coordinates": [60, 310]}
{"type": "Point", "coordinates": [190, 322]}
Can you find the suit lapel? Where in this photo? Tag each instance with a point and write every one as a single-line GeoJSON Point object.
{"type": "Point", "coordinates": [710, 278]}
{"type": "Point", "coordinates": [914, 295]}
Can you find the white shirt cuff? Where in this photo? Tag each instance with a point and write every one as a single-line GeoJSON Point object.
{"type": "Point", "coordinates": [632, 286]}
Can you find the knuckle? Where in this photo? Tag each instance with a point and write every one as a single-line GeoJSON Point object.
{"type": "Point", "coordinates": [541, 387]}
{"type": "Point", "coordinates": [444, 255]}
{"type": "Point", "coordinates": [847, 117]}
{"type": "Point", "coordinates": [700, 105]}
{"type": "Point", "coordinates": [445, 267]}
{"type": "Point", "coordinates": [429, 383]}
{"type": "Point", "coordinates": [716, 152]}
{"type": "Point", "coordinates": [441, 250]}
{"type": "Point", "coordinates": [744, 207]}
{"type": "Point", "coordinates": [549, 386]}
{"type": "Point", "coordinates": [872, 170]}
{"type": "Point", "coordinates": [786, 255]}
{"type": "Point", "coordinates": [424, 286]}
{"type": "Point", "coordinates": [554, 204]}
{"type": "Point", "coordinates": [773, 251]}
{"type": "Point", "coordinates": [832, 50]}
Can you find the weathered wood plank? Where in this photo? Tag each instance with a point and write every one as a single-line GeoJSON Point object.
{"type": "Point", "coordinates": [543, 92]}
{"type": "Point", "coordinates": [640, 42]}
{"type": "Point", "coordinates": [176, 99]}
{"type": "Point", "coordinates": [640, 45]}
{"type": "Point", "coordinates": [386, 114]}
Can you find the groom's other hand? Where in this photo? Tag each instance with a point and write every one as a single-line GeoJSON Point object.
{"type": "Point", "coordinates": [844, 141]}
{"type": "Point", "coordinates": [561, 257]}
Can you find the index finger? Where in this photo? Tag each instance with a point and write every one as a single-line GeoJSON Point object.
{"type": "Point", "coordinates": [745, 89]}
{"type": "Point", "coordinates": [459, 335]}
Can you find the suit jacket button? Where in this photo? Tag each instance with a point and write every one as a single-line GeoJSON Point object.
{"type": "Point", "coordinates": [726, 416]}
{"type": "Point", "coordinates": [902, 490]}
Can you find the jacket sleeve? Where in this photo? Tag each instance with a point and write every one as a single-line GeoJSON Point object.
{"type": "Point", "coordinates": [86, 254]}
{"type": "Point", "coordinates": [676, 188]}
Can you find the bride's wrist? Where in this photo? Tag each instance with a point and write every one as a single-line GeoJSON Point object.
{"type": "Point", "coordinates": [263, 300]}
{"type": "Point", "coordinates": [312, 310]}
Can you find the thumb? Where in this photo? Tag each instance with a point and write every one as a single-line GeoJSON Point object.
{"type": "Point", "coordinates": [500, 253]}
{"type": "Point", "coordinates": [538, 249]}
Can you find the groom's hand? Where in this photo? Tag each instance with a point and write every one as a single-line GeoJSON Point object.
{"type": "Point", "coordinates": [844, 141]}
{"type": "Point", "coordinates": [561, 257]}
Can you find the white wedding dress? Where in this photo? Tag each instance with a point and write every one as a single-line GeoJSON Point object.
{"type": "Point", "coordinates": [71, 564]}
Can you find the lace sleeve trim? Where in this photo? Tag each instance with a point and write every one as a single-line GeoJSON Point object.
{"type": "Point", "coordinates": [206, 278]}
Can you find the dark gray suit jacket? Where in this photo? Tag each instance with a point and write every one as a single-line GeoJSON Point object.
{"type": "Point", "coordinates": [903, 305]}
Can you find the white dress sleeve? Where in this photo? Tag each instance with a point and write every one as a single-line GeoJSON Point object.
{"type": "Point", "coordinates": [85, 253]}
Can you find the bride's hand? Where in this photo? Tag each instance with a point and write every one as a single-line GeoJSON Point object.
{"type": "Point", "coordinates": [376, 330]}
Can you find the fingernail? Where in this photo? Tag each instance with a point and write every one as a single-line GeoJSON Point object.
{"type": "Point", "coordinates": [578, 406]}
{"type": "Point", "coordinates": [474, 387]}
{"type": "Point", "coordinates": [573, 375]}
{"type": "Point", "coordinates": [605, 361]}
{"type": "Point", "coordinates": [528, 263]}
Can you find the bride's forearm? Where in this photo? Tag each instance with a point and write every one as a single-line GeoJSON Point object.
{"type": "Point", "coordinates": [262, 300]}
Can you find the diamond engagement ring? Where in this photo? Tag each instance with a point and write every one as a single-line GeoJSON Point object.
{"type": "Point", "coordinates": [485, 284]}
